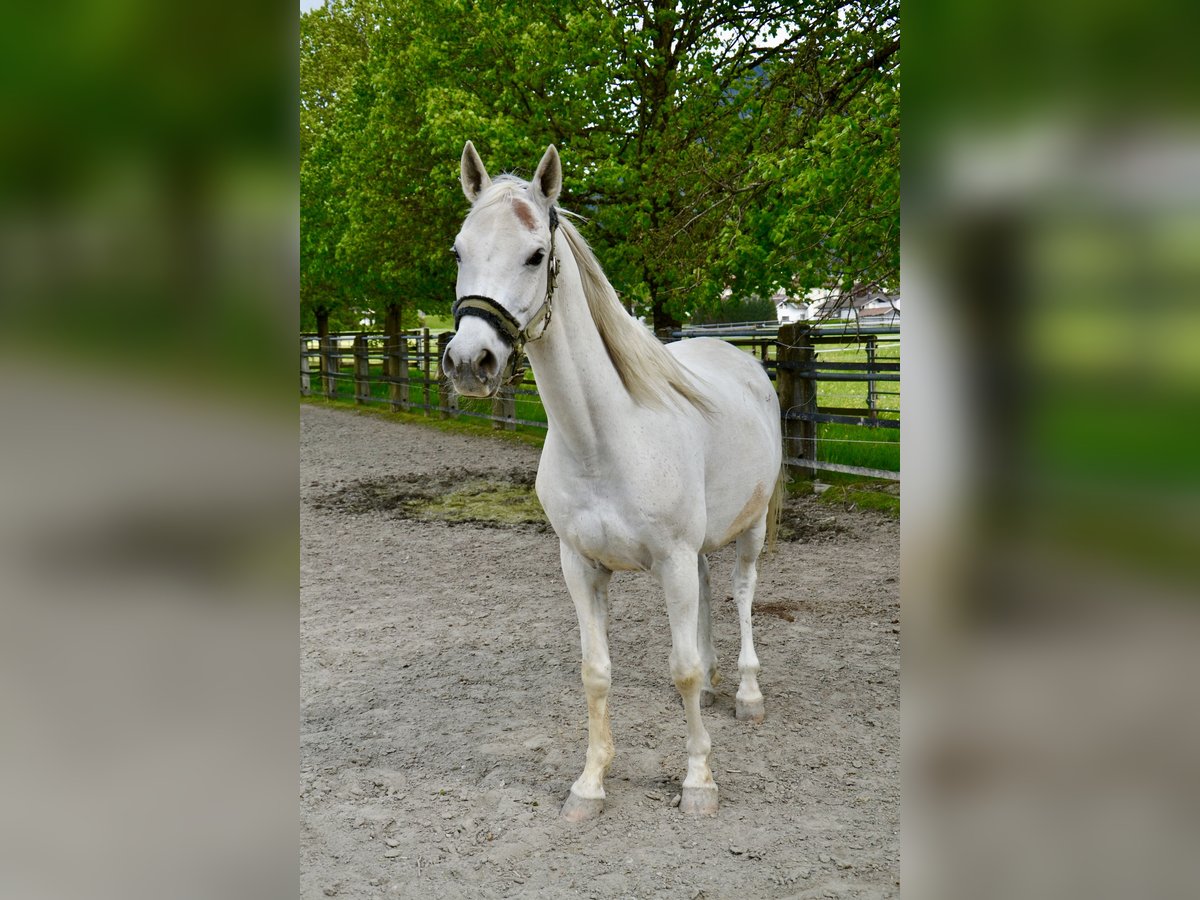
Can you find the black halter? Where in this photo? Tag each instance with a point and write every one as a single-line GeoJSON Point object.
{"type": "Point", "coordinates": [502, 320]}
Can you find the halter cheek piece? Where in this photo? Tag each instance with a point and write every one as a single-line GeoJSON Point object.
{"type": "Point", "coordinates": [502, 320]}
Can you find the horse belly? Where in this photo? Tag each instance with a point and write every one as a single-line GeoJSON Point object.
{"type": "Point", "coordinates": [724, 528]}
{"type": "Point", "coordinates": [743, 446]}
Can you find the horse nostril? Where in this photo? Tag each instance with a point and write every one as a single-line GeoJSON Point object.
{"type": "Point", "coordinates": [487, 365]}
{"type": "Point", "coordinates": [448, 365]}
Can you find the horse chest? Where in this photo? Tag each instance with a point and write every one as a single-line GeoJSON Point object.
{"type": "Point", "coordinates": [598, 526]}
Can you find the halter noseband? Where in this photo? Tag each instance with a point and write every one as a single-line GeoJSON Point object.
{"type": "Point", "coordinates": [502, 320]}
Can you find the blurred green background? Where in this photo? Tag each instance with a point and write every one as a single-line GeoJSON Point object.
{"type": "Point", "coordinates": [148, 207]}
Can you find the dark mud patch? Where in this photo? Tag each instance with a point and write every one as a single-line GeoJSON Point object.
{"type": "Point", "coordinates": [781, 609]}
{"type": "Point", "coordinates": [455, 496]}
{"type": "Point", "coordinates": [805, 521]}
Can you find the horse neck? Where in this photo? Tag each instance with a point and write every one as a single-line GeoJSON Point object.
{"type": "Point", "coordinates": [580, 390]}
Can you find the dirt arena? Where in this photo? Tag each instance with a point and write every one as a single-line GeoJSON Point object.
{"type": "Point", "coordinates": [443, 720]}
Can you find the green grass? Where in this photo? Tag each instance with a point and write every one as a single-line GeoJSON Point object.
{"type": "Point", "coordinates": [854, 492]}
{"type": "Point", "coordinates": [500, 502]}
{"type": "Point", "coordinates": [860, 445]}
{"type": "Point", "coordinates": [439, 323]}
{"type": "Point", "coordinates": [854, 393]}
{"type": "Point", "coordinates": [881, 496]}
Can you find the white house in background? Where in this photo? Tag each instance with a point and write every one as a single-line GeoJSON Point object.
{"type": "Point", "coordinates": [787, 309]}
{"type": "Point", "coordinates": [875, 306]}
{"type": "Point", "coordinates": [884, 310]}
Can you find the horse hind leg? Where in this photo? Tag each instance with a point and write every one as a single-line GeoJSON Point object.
{"type": "Point", "coordinates": [749, 705]}
{"type": "Point", "coordinates": [708, 654]}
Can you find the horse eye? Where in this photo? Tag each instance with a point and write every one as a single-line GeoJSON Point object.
{"type": "Point", "coordinates": [536, 258]}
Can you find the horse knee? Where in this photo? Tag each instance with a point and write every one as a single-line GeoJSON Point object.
{"type": "Point", "coordinates": [688, 675]}
{"type": "Point", "coordinates": [596, 676]}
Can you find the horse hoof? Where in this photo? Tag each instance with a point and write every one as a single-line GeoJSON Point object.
{"type": "Point", "coordinates": [699, 801]}
{"type": "Point", "coordinates": [580, 809]}
{"type": "Point", "coordinates": [752, 711]}
{"type": "Point", "coordinates": [707, 697]}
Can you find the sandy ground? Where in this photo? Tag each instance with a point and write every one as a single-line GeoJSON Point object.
{"type": "Point", "coordinates": [443, 722]}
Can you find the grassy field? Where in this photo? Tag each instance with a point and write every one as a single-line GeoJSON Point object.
{"type": "Point", "coordinates": [856, 445]}
{"type": "Point", "coordinates": [877, 448]}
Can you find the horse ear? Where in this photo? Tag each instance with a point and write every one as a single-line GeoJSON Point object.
{"type": "Point", "coordinates": [473, 175]}
{"type": "Point", "coordinates": [547, 180]}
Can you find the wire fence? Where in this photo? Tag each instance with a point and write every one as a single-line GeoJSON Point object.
{"type": "Point", "coordinates": [838, 386]}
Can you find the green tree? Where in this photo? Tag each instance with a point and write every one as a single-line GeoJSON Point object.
{"type": "Point", "coordinates": [711, 145]}
{"type": "Point", "coordinates": [333, 46]}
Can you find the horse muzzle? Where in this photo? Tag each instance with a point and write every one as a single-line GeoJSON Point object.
{"type": "Point", "coordinates": [475, 370]}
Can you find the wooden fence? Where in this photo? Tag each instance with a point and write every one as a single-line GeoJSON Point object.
{"type": "Point", "coordinates": [404, 372]}
{"type": "Point", "coordinates": [791, 354]}
{"type": "Point", "coordinates": [798, 370]}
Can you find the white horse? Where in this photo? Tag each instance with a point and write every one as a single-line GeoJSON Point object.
{"type": "Point", "coordinates": [655, 455]}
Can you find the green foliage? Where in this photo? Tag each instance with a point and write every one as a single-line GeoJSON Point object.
{"type": "Point", "coordinates": [753, 309]}
{"type": "Point", "coordinates": [710, 144]}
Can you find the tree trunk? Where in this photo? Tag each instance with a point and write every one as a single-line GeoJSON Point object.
{"type": "Point", "coordinates": [663, 322]}
{"type": "Point", "coordinates": [391, 329]}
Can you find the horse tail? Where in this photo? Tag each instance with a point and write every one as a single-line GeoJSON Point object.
{"type": "Point", "coordinates": [775, 512]}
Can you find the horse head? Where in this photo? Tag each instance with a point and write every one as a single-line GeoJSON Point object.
{"type": "Point", "coordinates": [505, 255]}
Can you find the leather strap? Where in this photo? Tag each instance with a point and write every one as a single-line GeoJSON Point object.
{"type": "Point", "coordinates": [491, 312]}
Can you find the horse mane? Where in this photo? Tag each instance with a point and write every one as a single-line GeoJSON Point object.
{"type": "Point", "coordinates": [650, 374]}
{"type": "Point", "coordinates": [647, 369]}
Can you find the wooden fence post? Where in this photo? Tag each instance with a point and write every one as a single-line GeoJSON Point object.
{"type": "Point", "coordinates": [395, 373]}
{"type": "Point", "coordinates": [439, 384]}
{"type": "Point", "coordinates": [395, 369]}
{"type": "Point", "coordinates": [447, 397]}
{"type": "Point", "coordinates": [504, 407]}
{"type": "Point", "coordinates": [305, 381]}
{"type": "Point", "coordinates": [329, 366]}
{"type": "Point", "coordinates": [399, 395]}
{"type": "Point", "coordinates": [362, 369]}
{"type": "Point", "coordinates": [797, 393]}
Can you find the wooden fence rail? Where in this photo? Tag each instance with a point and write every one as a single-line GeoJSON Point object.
{"type": "Point", "coordinates": [351, 365]}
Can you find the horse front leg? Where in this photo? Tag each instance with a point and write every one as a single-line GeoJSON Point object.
{"type": "Point", "coordinates": [679, 577]}
{"type": "Point", "coordinates": [588, 583]}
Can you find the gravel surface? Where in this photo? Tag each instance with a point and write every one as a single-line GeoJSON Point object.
{"type": "Point", "coordinates": [443, 720]}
